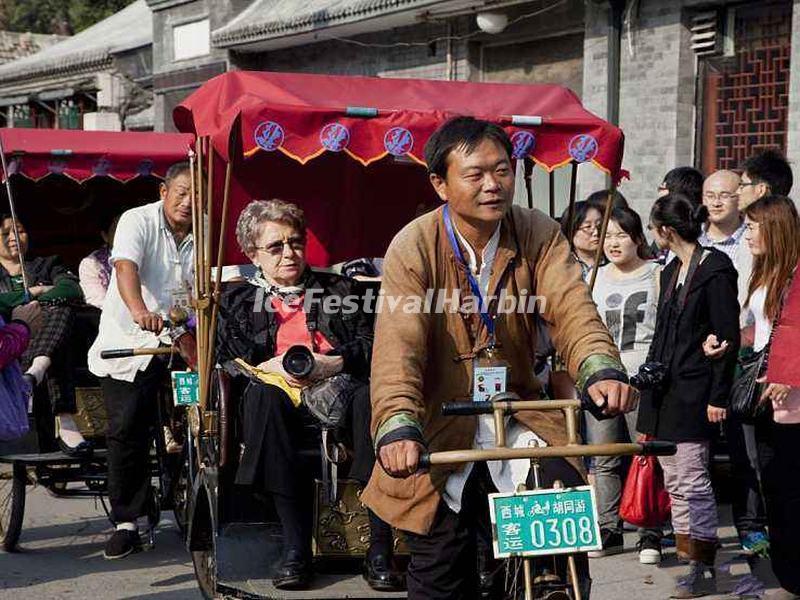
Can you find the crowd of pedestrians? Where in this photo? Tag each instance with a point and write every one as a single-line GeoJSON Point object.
{"type": "Point", "coordinates": [704, 296]}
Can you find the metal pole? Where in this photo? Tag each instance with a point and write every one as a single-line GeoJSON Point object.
{"type": "Point", "coordinates": [599, 255]}
{"type": "Point", "coordinates": [465, 456]}
{"type": "Point", "coordinates": [13, 209]}
{"type": "Point", "coordinates": [552, 189]}
{"type": "Point", "coordinates": [573, 184]}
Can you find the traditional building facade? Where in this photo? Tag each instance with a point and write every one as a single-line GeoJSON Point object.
{"type": "Point", "coordinates": [691, 82]}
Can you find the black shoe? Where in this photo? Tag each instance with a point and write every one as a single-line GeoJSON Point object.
{"type": "Point", "coordinates": [649, 550]}
{"type": "Point", "coordinates": [83, 450]}
{"type": "Point", "coordinates": [122, 543]}
{"type": "Point", "coordinates": [612, 544]}
{"type": "Point", "coordinates": [380, 576]}
{"type": "Point", "coordinates": [294, 573]}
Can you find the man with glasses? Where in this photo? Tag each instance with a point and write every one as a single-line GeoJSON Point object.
{"type": "Point", "coordinates": [725, 232]}
{"type": "Point", "coordinates": [153, 269]}
{"type": "Point", "coordinates": [764, 174]}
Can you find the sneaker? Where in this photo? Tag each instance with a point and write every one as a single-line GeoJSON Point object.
{"type": "Point", "coordinates": [649, 551]}
{"type": "Point", "coordinates": [756, 543]}
{"type": "Point", "coordinates": [612, 544]}
{"type": "Point", "coordinates": [122, 543]}
{"type": "Point", "coordinates": [700, 581]}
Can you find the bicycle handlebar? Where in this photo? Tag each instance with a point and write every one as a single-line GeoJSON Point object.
{"type": "Point", "coordinates": [650, 448]}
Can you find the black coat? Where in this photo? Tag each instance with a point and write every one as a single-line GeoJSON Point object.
{"type": "Point", "coordinates": [243, 333]}
{"type": "Point", "coordinates": [676, 411]}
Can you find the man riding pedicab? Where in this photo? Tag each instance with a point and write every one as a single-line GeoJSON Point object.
{"type": "Point", "coordinates": [480, 247]}
{"type": "Point", "coordinates": [153, 267]}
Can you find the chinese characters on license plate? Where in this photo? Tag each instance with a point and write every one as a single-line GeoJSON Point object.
{"type": "Point", "coordinates": [543, 522]}
{"type": "Point", "coordinates": [185, 386]}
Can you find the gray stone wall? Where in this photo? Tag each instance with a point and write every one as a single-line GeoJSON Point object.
{"type": "Point", "coordinates": [656, 99]}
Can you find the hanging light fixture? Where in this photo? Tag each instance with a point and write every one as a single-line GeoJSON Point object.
{"type": "Point", "coordinates": [491, 22]}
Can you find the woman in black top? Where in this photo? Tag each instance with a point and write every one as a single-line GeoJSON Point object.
{"type": "Point", "coordinates": [698, 297]}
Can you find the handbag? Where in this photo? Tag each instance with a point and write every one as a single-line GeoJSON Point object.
{"type": "Point", "coordinates": [329, 400]}
{"type": "Point", "coordinates": [13, 403]}
{"type": "Point", "coordinates": [645, 501]}
{"type": "Point", "coordinates": [746, 391]}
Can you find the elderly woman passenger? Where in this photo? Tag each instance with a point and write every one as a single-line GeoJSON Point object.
{"type": "Point", "coordinates": [259, 320]}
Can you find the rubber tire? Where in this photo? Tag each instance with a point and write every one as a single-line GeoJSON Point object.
{"type": "Point", "coordinates": [204, 572]}
{"type": "Point", "coordinates": [180, 510]}
{"type": "Point", "coordinates": [16, 509]}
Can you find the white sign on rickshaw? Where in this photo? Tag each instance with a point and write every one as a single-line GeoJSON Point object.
{"type": "Point", "coordinates": [545, 522]}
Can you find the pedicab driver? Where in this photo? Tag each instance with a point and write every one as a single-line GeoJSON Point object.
{"type": "Point", "coordinates": [153, 269]}
{"type": "Point", "coordinates": [423, 358]}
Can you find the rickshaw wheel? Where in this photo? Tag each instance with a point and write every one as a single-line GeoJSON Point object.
{"type": "Point", "coordinates": [205, 568]}
{"type": "Point", "coordinates": [12, 506]}
{"type": "Point", "coordinates": [57, 488]}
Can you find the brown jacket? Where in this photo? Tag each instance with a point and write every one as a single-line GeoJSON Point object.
{"type": "Point", "coordinates": [422, 359]}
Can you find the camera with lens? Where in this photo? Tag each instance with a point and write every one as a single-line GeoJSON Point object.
{"type": "Point", "coordinates": [651, 375]}
{"type": "Point", "coordinates": [298, 361]}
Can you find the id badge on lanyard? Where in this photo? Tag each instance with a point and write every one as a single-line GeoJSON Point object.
{"type": "Point", "coordinates": [490, 376]}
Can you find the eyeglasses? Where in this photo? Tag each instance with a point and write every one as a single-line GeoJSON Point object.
{"type": "Point", "coordinates": [722, 196]}
{"type": "Point", "coordinates": [746, 183]}
{"type": "Point", "coordinates": [296, 244]}
{"type": "Point", "coordinates": [589, 229]}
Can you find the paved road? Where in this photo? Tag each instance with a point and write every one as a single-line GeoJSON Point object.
{"type": "Point", "coordinates": [62, 545]}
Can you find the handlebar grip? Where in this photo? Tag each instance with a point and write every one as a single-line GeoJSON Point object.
{"type": "Point", "coordinates": [119, 353]}
{"type": "Point", "coordinates": [462, 409]}
{"type": "Point", "coordinates": [424, 461]}
{"type": "Point", "coordinates": [658, 448]}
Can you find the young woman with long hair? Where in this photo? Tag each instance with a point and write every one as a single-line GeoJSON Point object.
{"type": "Point", "coordinates": [626, 294]}
{"type": "Point", "coordinates": [697, 298]}
{"type": "Point", "coordinates": [773, 236]}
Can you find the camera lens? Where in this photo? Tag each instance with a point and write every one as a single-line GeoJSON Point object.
{"type": "Point", "coordinates": [298, 362]}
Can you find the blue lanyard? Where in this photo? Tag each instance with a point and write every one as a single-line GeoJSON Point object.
{"type": "Point", "coordinates": [488, 320]}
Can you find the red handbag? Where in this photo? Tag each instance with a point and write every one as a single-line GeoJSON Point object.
{"type": "Point", "coordinates": [645, 501]}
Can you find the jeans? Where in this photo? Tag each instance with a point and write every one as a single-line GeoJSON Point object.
{"type": "Point", "coordinates": [747, 502]}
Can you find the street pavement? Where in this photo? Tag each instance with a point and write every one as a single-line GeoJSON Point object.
{"type": "Point", "coordinates": [62, 543]}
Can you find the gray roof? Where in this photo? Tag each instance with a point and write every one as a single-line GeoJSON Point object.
{"type": "Point", "coordinates": [92, 48]}
{"type": "Point", "coordinates": [266, 19]}
{"type": "Point", "coordinates": [14, 44]}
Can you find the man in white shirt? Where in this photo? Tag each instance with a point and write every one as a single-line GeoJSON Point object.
{"type": "Point", "coordinates": [153, 269]}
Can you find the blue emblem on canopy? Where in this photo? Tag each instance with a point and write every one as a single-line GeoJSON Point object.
{"type": "Point", "coordinates": [269, 135]}
{"type": "Point", "coordinates": [583, 147]}
{"type": "Point", "coordinates": [334, 137]}
{"type": "Point", "coordinates": [523, 142]}
{"type": "Point", "coordinates": [398, 141]}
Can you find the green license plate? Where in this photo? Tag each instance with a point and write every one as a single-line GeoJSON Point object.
{"type": "Point", "coordinates": [544, 522]}
{"type": "Point", "coordinates": [185, 388]}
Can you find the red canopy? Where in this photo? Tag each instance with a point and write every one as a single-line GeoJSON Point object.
{"type": "Point", "coordinates": [80, 155]}
{"type": "Point", "coordinates": [350, 150]}
{"type": "Point", "coordinates": [369, 118]}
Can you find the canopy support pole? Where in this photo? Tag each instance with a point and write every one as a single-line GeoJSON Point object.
{"type": "Point", "coordinates": [529, 180]}
{"type": "Point", "coordinates": [13, 208]}
{"type": "Point", "coordinates": [552, 189]}
{"type": "Point", "coordinates": [599, 255]}
{"type": "Point", "coordinates": [223, 230]}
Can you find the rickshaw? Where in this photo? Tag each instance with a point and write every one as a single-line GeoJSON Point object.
{"type": "Point", "coordinates": [57, 182]}
{"type": "Point", "coordinates": [349, 151]}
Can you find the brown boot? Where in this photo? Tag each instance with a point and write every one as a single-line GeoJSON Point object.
{"type": "Point", "coordinates": [703, 551]}
{"type": "Point", "coordinates": [683, 547]}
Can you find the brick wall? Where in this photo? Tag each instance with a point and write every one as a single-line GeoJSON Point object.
{"type": "Point", "coordinates": [657, 87]}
